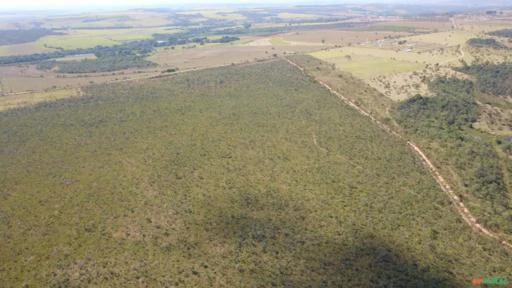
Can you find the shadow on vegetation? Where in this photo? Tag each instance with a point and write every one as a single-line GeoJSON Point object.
{"type": "Point", "coordinates": [283, 250]}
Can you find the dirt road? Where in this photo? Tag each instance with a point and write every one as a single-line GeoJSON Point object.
{"type": "Point", "coordinates": [459, 205]}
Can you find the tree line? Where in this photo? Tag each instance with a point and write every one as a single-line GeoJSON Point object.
{"type": "Point", "coordinates": [447, 120]}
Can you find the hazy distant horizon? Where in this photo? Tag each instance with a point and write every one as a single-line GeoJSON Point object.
{"type": "Point", "coordinates": [77, 5]}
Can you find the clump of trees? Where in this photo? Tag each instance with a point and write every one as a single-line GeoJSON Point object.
{"type": "Point", "coordinates": [486, 43]}
{"type": "Point", "coordinates": [494, 79]}
{"type": "Point", "coordinates": [455, 109]}
{"type": "Point", "coordinates": [507, 33]}
{"type": "Point", "coordinates": [103, 64]}
{"type": "Point", "coordinates": [447, 121]}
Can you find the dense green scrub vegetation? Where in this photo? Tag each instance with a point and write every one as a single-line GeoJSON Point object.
{"type": "Point", "coordinates": [494, 79]}
{"type": "Point", "coordinates": [507, 33]}
{"type": "Point", "coordinates": [486, 42]}
{"type": "Point", "coordinates": [347, 84]}
{"type": "Point", "coordinates": [17, 36]}
{"type": "Point", "coordinates": [103, 64]}
{"type": "Point", "coordinates": [447, 120]}
{"type": "Point", "coordinates": [243, 176]}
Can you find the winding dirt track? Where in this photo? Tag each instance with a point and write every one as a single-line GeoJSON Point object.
{"type": "Point", "coordinates": [459, 206]}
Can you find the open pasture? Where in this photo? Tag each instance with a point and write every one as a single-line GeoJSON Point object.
{"type": "Point", "coordinates": [447, 38]}
{"type": "Point", "coordinates": [34, 98]}
{"type": "Point", "coordinates": [25, 78]}
{"type": "Point", "coordinates": [426, 57]}
{"type": "Point", "coordinates": [101, 20]}
{"type": "Point", "coordinates": [292, 16]}
{"type": "Point", "coordinates": [84, 38]}
{"type": "Point", "coordinates": [221, 14]}
{"type": "Point", "coordinates": [24, 48]}
{"type": "Point", "coordinates": [366, 67]}
{"type": "Point", "coordinates": [339, 37]}
{"type": "Point", "coordinates": [420, 25]}
{"type": "Point", "coordinates": [205, 57]}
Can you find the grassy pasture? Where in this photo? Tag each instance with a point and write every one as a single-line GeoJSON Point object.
{"type": "Point", "coordinates": [77, 57]}
{"type": "Point", "coordinates": [75, 41]}
{"type": "Point", "coordinates": [133, 18]}
{"type": "Point", "coordinates": [28, 78]}
{"type": "Point", "coordinates": [207, 57]}
{"type": "Point", "coordinates": [24, 48]}
{"type": "Point", "coordinates": [33, 98]}
{"type": "Point", "coordinates": [431, 57]}
{"type": "Point", "coordinates": [291, 16]}
{"type": "Point", "coordinates": [278, 41]}
{"type": "Point", "coordinates": [216, 14]}
{"type": "Point", "coordinates": [447, 38]}
{"type": "Point", "coordinates": [106, 37]}
{"type": "Point", "coordinates": [187, 181]}
{"type": "Point", "coordinates": [367, 67]}
{"type": "Point", "coordinates": [340, 37]}
{"type": "Point", "coordinates": [420, 25]}
{"type": "Point", "coordinates": [396, 74]}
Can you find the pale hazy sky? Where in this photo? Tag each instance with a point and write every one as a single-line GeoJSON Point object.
{"type": "Point", "coordinates": [37, 4]}
{"type": "Point", "coordinates": [65, 4]}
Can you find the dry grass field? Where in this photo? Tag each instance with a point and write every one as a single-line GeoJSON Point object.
{"type": "Point", "coordinates": [85, 38]}
{"type": "Point", "coordinates": [340, 37]}
{"type": "Point", "coordinates": [442, 24]}
{"type": "Point", "coordinates": [22, 49]}
{"type": "Point", "coordinates": [197, 58]}
{"type": "Point", "coordinates": [34, 98]}
{"type": "Point", "coordinates": [23, 78]}
{"type": "Point", "coordinates": [132, 18]}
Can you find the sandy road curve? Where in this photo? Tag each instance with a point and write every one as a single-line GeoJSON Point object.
{"type": "Point", "coordinates": [459, 206]}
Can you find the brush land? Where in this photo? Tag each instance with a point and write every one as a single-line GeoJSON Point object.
{"type": "Point", "coordinates": [178, 148]}
{"type": "Point", "coordinates": [186, 181]}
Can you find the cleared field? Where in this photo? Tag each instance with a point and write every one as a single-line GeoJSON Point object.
{"type": "Point", "coordinates": [28, 78]}
{"type": "Point", "coordinates": [291, 16]}
{"type": "Point", "coordinates": [339, 37]}
{"type": "Point", "coordinates": [33, 98]}
{"type": "Point", "coordinates": [429, 57]}
{"type": "Point", "coordinates": [397, 74]}
{"type": "Point", "coordinates": [367, 67]}
{"type": "Point", "coordinates": [216, 14]}
{"type": "Point", "coordinates": [278, 41]}
{"type": "Point", "coordinates": [74, 41]}
{"type": "Point", "coordinates": [106, 37]}
{"type": "Point", "coordinates": [205, 57]}
{"type": "Point", "coordinates": [21, 49]}
{"type": "Point", "coordinates": [189, 182]}
{"type": "Point", "coordinates": [132, 18]}
{"type": "Point", "coordinates": [77, 57]}
{"type": "Point", "coordinates": [402, 86]}
{"type": "Point", "coordinates": [449, 38]}
{"type": "Point", "coordinates": [419, 25]}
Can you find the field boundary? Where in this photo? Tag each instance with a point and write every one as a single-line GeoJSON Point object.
{"type": "Point", "coordinates": [456, 201]}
